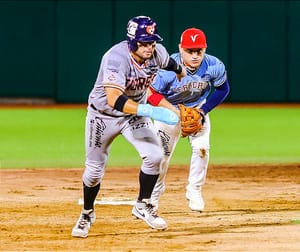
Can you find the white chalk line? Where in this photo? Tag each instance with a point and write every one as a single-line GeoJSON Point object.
{"type": "Point", "coordinates": [111, 201]}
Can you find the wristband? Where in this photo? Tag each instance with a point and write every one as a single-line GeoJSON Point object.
{"type": "Point", "coordinates": [120, 102]}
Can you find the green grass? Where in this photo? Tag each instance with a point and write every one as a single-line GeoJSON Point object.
{"type": "Point", "coordinates": [42, 138]}
{"type": "Point", "coordinates": [262, 135]}
{"type": "Point", "coordinates": [34, 138]}
{"type": "Point", "coordinates": [295, 221]}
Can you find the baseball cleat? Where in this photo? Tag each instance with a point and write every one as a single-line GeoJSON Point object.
{"type": "Point", "coordinates": [83, 225]}
{"type": "Point", "coordinates": [196, 202]}
{"type": "Point", "coordinates": [146, 212]}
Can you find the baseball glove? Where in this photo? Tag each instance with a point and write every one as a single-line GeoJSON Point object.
{"type": "Point", "coordinates": [192, 120]}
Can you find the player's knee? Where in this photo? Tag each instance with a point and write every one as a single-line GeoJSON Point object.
{"type": "Point", "coordinates": [90, 181]}
{"type": "Point", "coordinates": [152, 162]}
{"type": "Point", "coordinates": [93, 173]}
{"type": "Point", "coordinates": [156, 159]}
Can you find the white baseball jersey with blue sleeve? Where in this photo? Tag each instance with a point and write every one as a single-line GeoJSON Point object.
{"type": "Point", "coordinates": [194, 88]}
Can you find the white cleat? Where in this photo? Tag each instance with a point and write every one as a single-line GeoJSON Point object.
{"type": "Point", "coordinates": [196, 202]}
{"type": "Point", "coordinates": [83, 224]}
{"type": "Point", "coordinates": [147, 212]}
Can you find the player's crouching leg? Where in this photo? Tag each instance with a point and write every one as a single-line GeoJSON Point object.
{"type": "Point", "coordinates": [149, 174]}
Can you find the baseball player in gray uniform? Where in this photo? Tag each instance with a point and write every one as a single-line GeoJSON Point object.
{"type": "Point", "coordinates": [118, 105]}
{"type": "Point", "coordinates": [205, 86]}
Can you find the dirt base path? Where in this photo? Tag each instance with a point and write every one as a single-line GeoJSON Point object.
{"type": "Point", "coordinates": [247, 209]}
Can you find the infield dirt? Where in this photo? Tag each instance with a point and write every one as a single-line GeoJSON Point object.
{"type": "Point", "coordinates": [248, 208]}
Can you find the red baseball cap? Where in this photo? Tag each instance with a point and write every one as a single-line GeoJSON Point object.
{"type": "Point", "coordinates": [193, 38]}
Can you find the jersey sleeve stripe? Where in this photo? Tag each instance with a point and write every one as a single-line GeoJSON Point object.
{"type": "Point", "coordinates": [111, 85]}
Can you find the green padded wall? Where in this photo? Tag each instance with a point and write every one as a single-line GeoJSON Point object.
{"type": "Point", "coordinates": [53, 48]}
{"type": "Point", "coordinates": [210, 16]}
{"type": "Point", "coordinates": [258, 51]}
{"type": "Point", "coordinates": [27, 49]}
{"type": "Point", "coordinates": [293, 51]}
{"type": "Point", "coordinates": [84, 34]}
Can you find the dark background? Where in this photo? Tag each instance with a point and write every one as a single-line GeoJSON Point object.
{"type": "Point", "coordinates": [52, 49]}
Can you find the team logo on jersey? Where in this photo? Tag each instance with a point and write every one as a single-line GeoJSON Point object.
{"type": "Point", "coordinates": [194, 37]}
{"type": "Point", "coordinates": [111, 77]}
{"type": "Point", "coordinates": [150, 29]}
{"type": "Point", "coordinates": [140, 83]}
{"type": "Point", "coordinates": [192, 88]}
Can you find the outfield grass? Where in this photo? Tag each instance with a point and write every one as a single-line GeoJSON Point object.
{"type": "Point", "coordinates": [256, 135]}
{"type": "Point", "coordinates": [33, 138]}
{"type": "Point", "coordinates": [42, 138]}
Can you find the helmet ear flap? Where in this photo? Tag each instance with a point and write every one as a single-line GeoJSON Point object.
{"type": "Point", "coordinates": [132, 44]}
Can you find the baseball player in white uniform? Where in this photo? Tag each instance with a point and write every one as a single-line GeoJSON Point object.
{"type": "Point", "coordinates": [118, 105]}
{"type": "Point", "coordinates": [205, 86]}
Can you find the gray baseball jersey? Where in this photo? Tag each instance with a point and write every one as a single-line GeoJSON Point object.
{"type": "Point", "coordinates": [103, 123]}
{"type": "Point", "coordinates": [119, 70]}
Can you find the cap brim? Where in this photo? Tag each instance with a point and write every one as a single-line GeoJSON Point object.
{"type": "Point", "coordinates": [151, 38]}
{"type": "Point", "coordinates": [193, 47]}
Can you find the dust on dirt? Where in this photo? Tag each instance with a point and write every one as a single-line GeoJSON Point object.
{"type": "Point", "coordinates": [248, 208]}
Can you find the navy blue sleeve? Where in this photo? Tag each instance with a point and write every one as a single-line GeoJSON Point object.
{"type": "Point", "coordinates": [217, 97]}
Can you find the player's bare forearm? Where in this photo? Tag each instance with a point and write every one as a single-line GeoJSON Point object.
{"type": "Point", "coordinates": [164, 103]}
{"type": "Point", "coordinates": [114, 94]}
{"type": "Point", "coordinates": [130, 107]}
{"type": "Point", "coordinates": [157, 99]}
{"type": "Point", "coordinates": [117, 100]}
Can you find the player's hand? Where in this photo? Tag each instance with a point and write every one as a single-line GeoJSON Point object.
{"type": "Point", "coordinates": [158, 113]}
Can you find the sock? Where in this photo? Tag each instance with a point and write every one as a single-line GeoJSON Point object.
{"type": "Point", "coordinates": [147, 183]}
{"type": "Point", "coordinates": [89, 195]}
